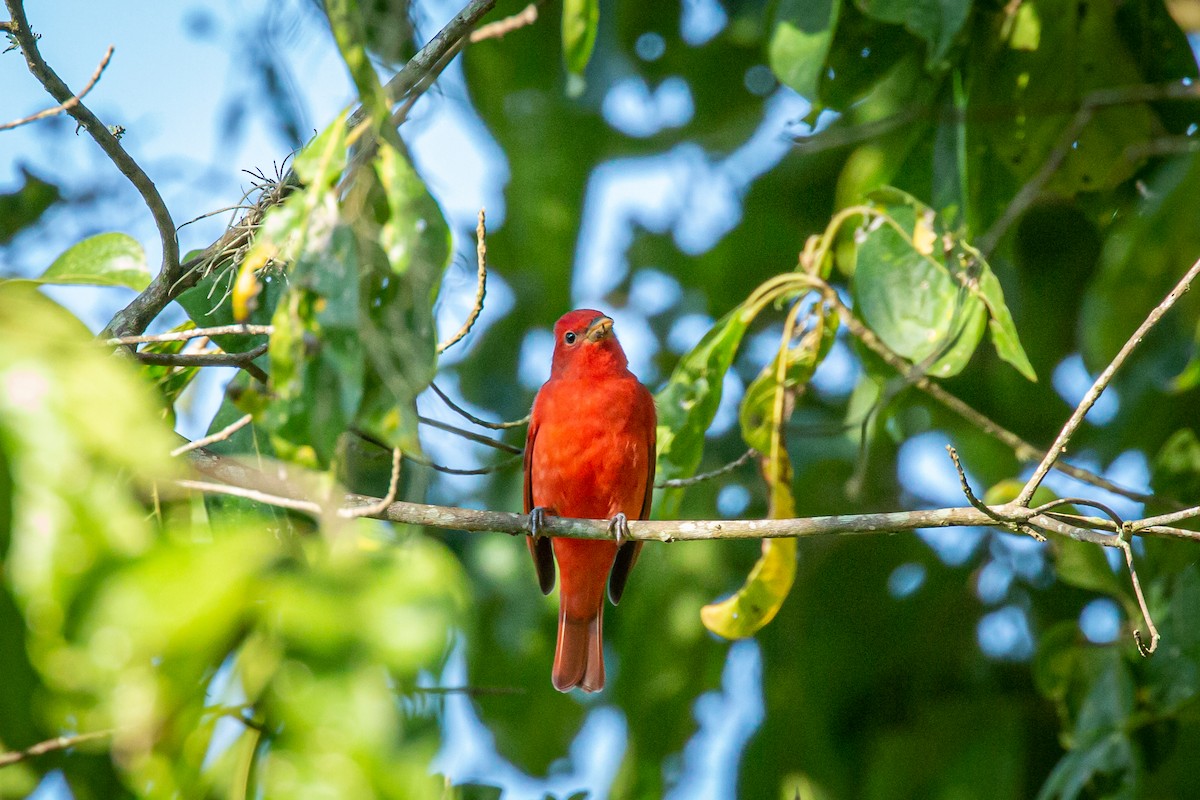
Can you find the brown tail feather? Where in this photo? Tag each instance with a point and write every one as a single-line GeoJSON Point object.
{"type": "Point", "coordinates": [579, 657]}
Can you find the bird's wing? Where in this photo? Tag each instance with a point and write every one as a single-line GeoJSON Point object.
{"type": "Point", "coordinates": [539, 546]}
{"type": "Point", "coordinates": [628, 552]}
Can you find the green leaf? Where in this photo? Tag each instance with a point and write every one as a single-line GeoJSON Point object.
{"type": "Point", "coordinates": [1050, 56]}
{"type": "Point", "coordinates": [1112, 755]}
{"type": "Point", "coordinates": [347, 21]}
{"type": "Point", "coordinates": [905, 292]}
{"type": "Point", "coordinates": [1000, 321]}
{"type": "Point", "coordinates": [689, 401]}
{"type": "Point", "coordinates": [800, 42]}
{"type": "Point", "coordinates": [926, 292]}
{"type": "Point", "coordinates": [580, 21]}
{"type": "Point", "coordinates": [769, 582]}
{"type": "Point", "coordinates": [169, 380]}
{"type": "Point", "coordinates": [25, 206]}
{"type": "Point", "coordinates": [938, 22]}
{"type": "Point", "coordinates": [209, 304]}
{"type": "Point", "coordinates": [107, 259]}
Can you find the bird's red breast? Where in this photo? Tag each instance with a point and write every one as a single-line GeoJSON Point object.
{"type": "Point", "coordinates": [590, 454]}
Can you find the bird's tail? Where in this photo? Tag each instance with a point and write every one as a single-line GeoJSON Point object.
{"type": "Point", "coordinates": [579, 656]}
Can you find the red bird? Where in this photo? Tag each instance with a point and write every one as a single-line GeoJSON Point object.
{"type": "Point", "coordinates": [589, 454]}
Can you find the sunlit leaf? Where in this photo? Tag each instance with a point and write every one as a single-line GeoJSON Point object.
{"type": "Point", "coordinates": [762, 415]}
{"type": "Point", "coordinates": [107, 259]}
{"type": "Point", "coordinates": [689, 401]}
{"type": "Point", "coordinates": [927, 293]}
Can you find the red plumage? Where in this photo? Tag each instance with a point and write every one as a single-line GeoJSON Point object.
{"type": "Point", "coordinates": [590, 454]}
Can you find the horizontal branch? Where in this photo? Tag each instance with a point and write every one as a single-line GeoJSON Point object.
{"type": "Point", "coordinates": [244, 481]}
{"type": "Point", "coordinates": [193, 333]}
{"type": "Point", "coordinates": [201, 359]}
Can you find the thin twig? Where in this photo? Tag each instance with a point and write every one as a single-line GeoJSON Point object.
{"type": "Point", "coordinates": [986, 509]}
{"type": "Point", "coordinates": [496, 426]}
{"type": "Point", "coordinates": [50, 745]}
{"type": "Point", "coordinates": [213, 438]}
{"type": "Point", "coordinates": [683, 483]}
{"type": "Point", "coordinates": [132, 319]}
{"type": "Point", "coordinates": [425, 462]}
{"type": "Point", "coordinates": [480, 287]}
{"type": "Point", "coordinates": [470, 435]}
{"type": "Point", "coordinates": [378, 508]}
{"type": "Point", "coordinates": [426, 62]}
{"type": "Point", "coordinates": [1143, 648]}
{"type": "Point", "coordinates": [194, 333]}
{"type": "Point", "coordinates": [501, 27]}
{"type": "Point", "coordinates": [257, 495]}
{"type": "Point", "coordinates": [1098, 387]}
{"type": "Point", "coordinates": [1166, 519]}
{"type": "Point", "coordinates": [69, 103]}
{"type": "Point", "coordinates": [202, 359]}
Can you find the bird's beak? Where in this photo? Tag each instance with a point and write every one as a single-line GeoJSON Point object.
{"type": "Point", "coordinates": [600, 327]}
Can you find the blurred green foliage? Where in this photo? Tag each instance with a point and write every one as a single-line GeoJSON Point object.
{"type": "Point", "coordinates": [223, 648]}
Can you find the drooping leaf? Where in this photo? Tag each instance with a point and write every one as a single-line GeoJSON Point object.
{"type": "Point", "coordinates": [765, 409]}
{"type": "Point", "coordinates": [689, 401]}
{"type": "Point", "coordinates": [107, 259]}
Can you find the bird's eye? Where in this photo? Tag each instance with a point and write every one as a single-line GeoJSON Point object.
{"type": "Point", "coordinates": [570, 337]}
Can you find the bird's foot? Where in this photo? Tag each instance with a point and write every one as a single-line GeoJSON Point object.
{"type": "Point", "coordinates": [618, 526]}
{"type": "Point", "coordinates": [537, 521]}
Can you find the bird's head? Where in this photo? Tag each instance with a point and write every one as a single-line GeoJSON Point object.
{"type": "Point", "coordinates": [585, 345]}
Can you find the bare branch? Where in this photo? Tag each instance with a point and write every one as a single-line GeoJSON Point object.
{"type": "Point", "coordinates": [242, 481]}
{"type": "Point", "coordinates": [1098, 387]}
{"type": "Point", "coordinates": [496, 426]}
{"type": "Point", "coordinates": [257, 495]}
{"type": "Point", "coordinates": [213, 438]}
{"type": "Point", "coordinates": [683, 483]}
{"type": "Point", "coordinates": [68, 104]}
{"type": "Point", "coordinates": [130, 319]}
{"type": "Point", "coordinates": [194, 333]}
{"type": "Point", "coordinates": [1143, 648]}
{"type": "Point", "coordinates": [378, 508]}
{"type": "Point", "coordinates": [202, 359]}
{"type": "Point", "coordinates": [480, 287]}
{"type": "Point", "coordinates": [50, 745]}
{"type": "Point", "coordinates": [469, 435]}
{"type": "Point", "coordinates": [1166, 519]}
{"type": "Point", "coordinates": [501, 27]}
